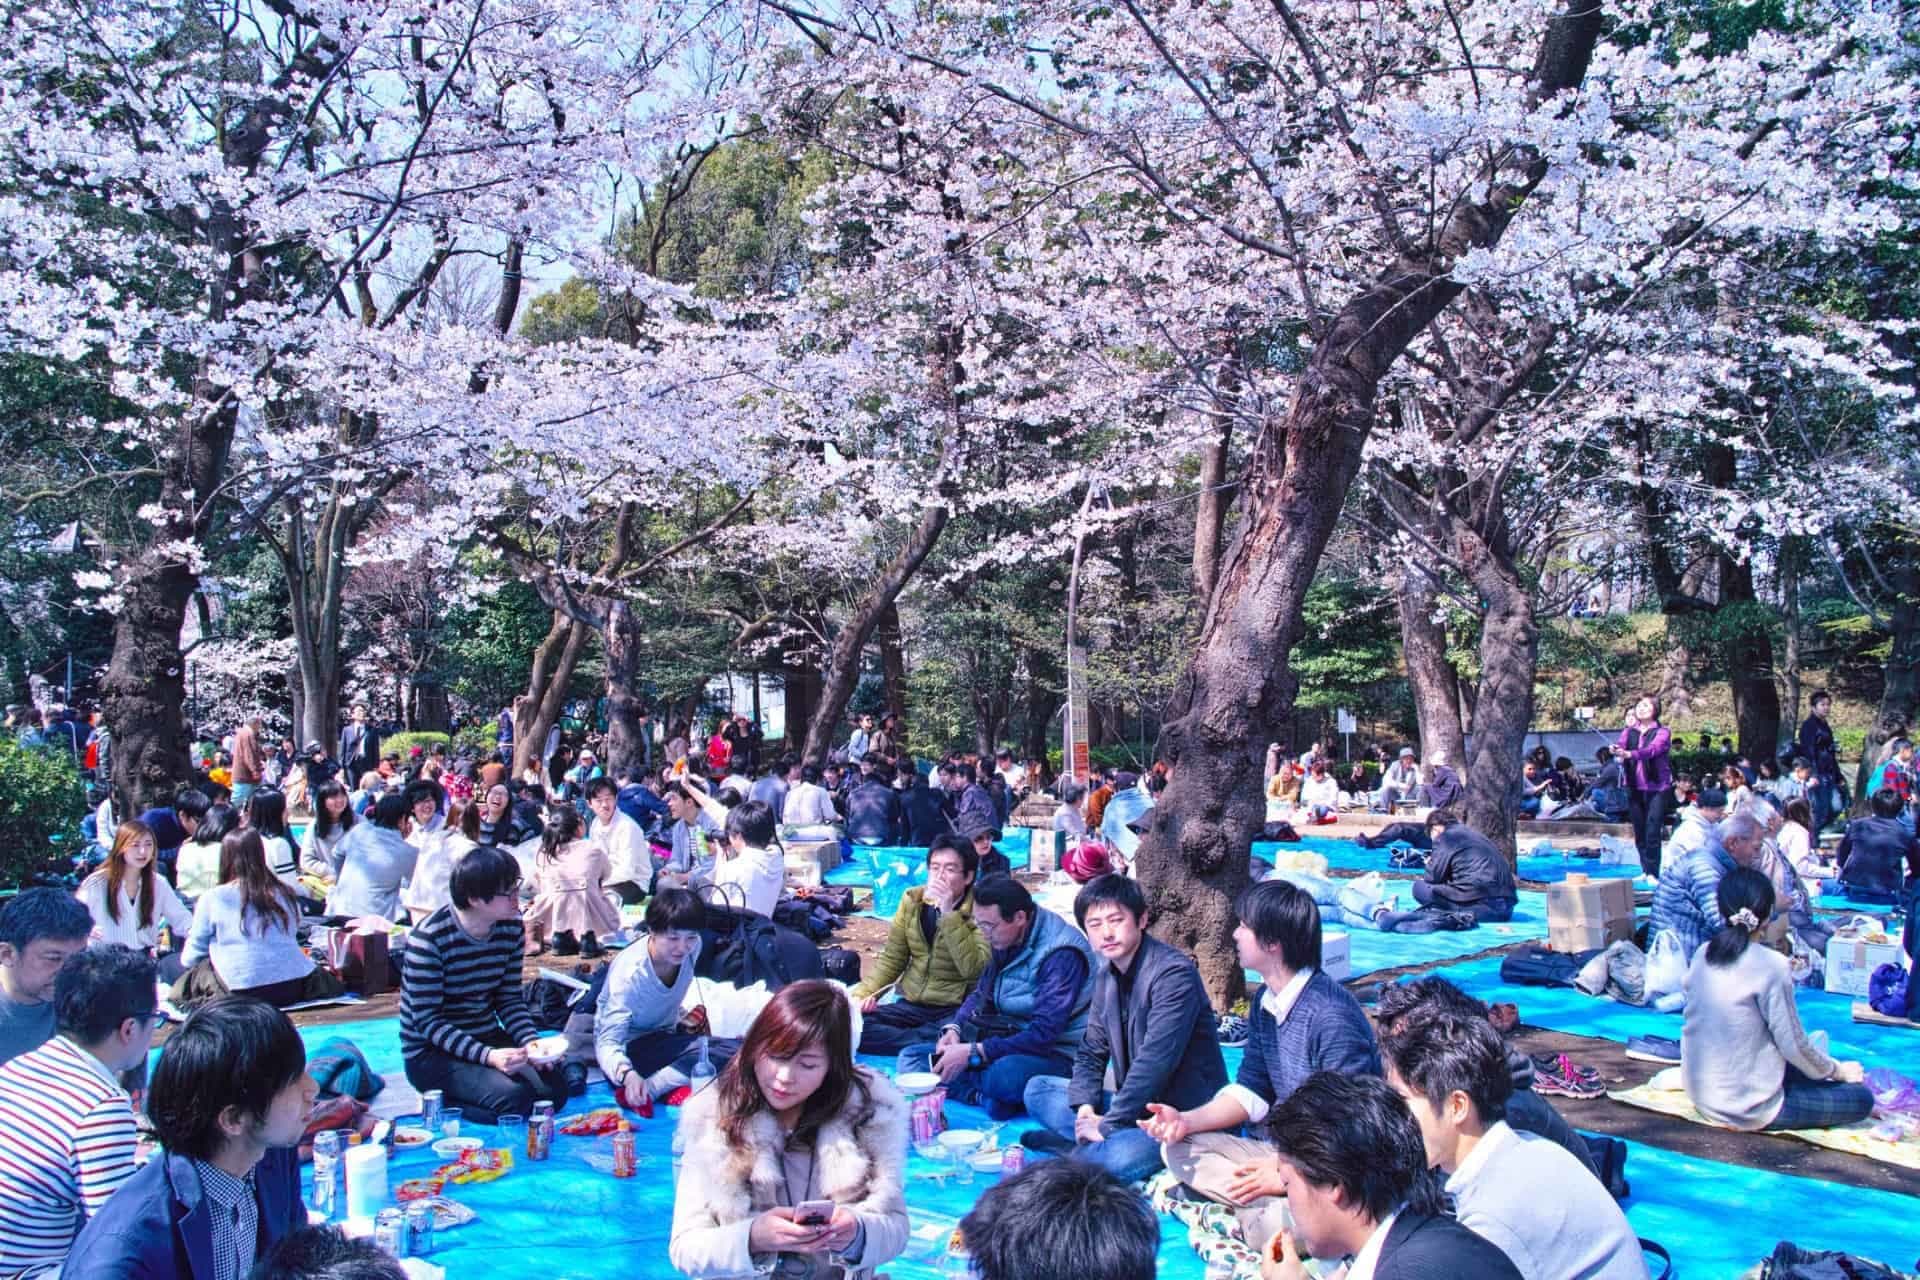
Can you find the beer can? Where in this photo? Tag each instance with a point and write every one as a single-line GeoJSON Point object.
{"type": "Point", "coordinates": [430, 1103]}
{"type": "Point", "coordinates": [419, 1230]}
{"type": "Point", "coordinates": [540, 1131]}
{"type": "Point", "coordinates": [1013, 1160]}
{"type": "Point", "coordinates": [390, 1232]}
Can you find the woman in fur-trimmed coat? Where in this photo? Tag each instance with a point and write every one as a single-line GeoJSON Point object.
{"type": "Point", "coordinates": [793, 1120]}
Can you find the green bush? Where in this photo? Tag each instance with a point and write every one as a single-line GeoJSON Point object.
{"type": "Point", "coordinates": [480, 738]}
{"type": "Point", "coordinates": [406, 742]}
{"type": "Point", "coordinates": [41, 803]}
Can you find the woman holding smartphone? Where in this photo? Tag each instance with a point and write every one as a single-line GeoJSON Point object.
{"type": "Point", "coordinates": [795, 1159]}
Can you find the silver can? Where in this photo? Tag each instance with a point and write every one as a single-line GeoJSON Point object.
{"type": "Point", "coordinates": [390, 1232]}
{"type": "Point", "coordinates": [430, 1103]}
{"type": "Point", "coordinates": [419, 1230]}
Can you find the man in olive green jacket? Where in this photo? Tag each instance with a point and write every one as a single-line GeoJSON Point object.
{"type": "Point", "coordinates": [934, 954]}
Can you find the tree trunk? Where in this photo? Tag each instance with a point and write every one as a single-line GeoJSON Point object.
{"type": "Point", "coordinates": [1900, 695]}
{"type": "Point", "coordinates": [1238, 692]}
{"type": "Point", "coordinates": [145, 686]}
{"type": "Point", "coordinates": [1435, 684]}
{"type": "Point", "coordinates": [1790, 569]}
{"type": "Point", "coordinates": [1509, 656]}
{"type": "Point", "coordinates": [551, 673]}
{"type": "Point", "coordinates": [1210, 514]}
{"type": "Point", "coordinates": [893, 660]}
{"type": "Point", "coordinates": [623, 642]}
{"type": "Point", "coordinates": [1749, 662]}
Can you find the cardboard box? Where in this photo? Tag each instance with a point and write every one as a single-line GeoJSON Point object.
{"type": "Point", "coordinates": [1336, 954]}
{"type": "Point", "coordinates": [1589, 915]}
{"type": "Point", "coordinates": [1851, 962]}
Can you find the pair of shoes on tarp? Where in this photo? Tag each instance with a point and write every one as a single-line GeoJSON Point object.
{"type": "Point", "coordinates": [564, 944]}
{"type": "Point", "coordinates": [1561, 1076]}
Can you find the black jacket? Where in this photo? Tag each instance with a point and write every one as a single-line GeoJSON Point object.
{"type": "Point", "coordinates": [1465, 868]}
{"type": "Point", "coordinates": [1429, 1246]}
{"type": "Point", "coordinates": [1877, 854]}
{"type": "Point", "coordinates": [925, 818]}
{"type": "Point", "coordinates": [1816, 744]}
{"type": "Point", "coordinates": [873, 815]}
{"type": "Point", "coordinates": [1170, 1050]}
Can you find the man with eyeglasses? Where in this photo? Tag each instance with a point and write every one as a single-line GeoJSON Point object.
{"type": "Point", "coordinates": [66, 1126]}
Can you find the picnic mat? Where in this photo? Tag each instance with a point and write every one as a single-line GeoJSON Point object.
{"type": "Point", "coordinates": [1372, 951]}
{"type": "Point", "coordinates": [1346, 855]}
{"type": "Point", "coordinates": [857, 870]}
{"type": "Point", "coordinates": [1664, 1095]}
{"type": "Point", "coordinates": [1564, 1009]}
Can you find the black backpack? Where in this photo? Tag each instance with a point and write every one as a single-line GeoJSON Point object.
{"type": "Point", "coordinates": [741, 948]}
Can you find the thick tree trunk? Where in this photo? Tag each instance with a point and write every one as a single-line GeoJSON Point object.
{"type": "Point", "coordinates": [893, 660]}
{"type": "Point", "coordinates": [623, 642]}
{"type": "Point", "coordinates": [1435, 684]}
{"type": "Point", "coordinates": [1749, 660]}
{"type": "Point", "coordinates": [1509, 656]}
{"type": "Point", "coordinates": [1210, 515]}
{"type": "Point", "coordinates": [536, 711]}
{"type": "Point", "coordinates": [1238, 692]}
{"type": "Point", "coordinates": [145, 686]}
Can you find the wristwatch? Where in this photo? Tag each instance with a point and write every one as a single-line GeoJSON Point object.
{"type": "Point", "coordinates": [620, 1077]}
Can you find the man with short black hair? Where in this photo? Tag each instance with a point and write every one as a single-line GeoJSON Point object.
{"type": "Point", "coordinates": [752, 868]}
{"type": "Point", "coordinates": [1542, 1208]}
{"type": "Point", "coordinates": [464, 1022]}
{"type": "Point", "coordinates": [629, 859]}
{"type": "Point", "coordinates": [1025, 1016]}
{"type": "Point", "coordinates": [1304, 1021]}
{"type": "Point", "coordinates": [359, 744]}
{"type": "Point", "coordinates": [327, 1253]}
{"type": "Point", "coordinates": [173, 825]}
{"type": "Point", "coordinates": [39, 930]}
{"type": "Point", "coordinates": [1151, 1033]}
{"type": "Point", "coordinates": [229, 1104]}
{"type": "Point", "coordinates": [874, 816]}
{"type": "Point", "coordinates": [1468, 882]}
{"type": "Point", "coordinates": [1354, 1171]}
{"type": "Point", "coordinates": [1062, 1220]}
{"type": "Point", "coordinates": [1816, 743]}
{"type": "Point", "coordinates": [67, 1132]}
{"type": "Point", "coordinates": [974, 808]}
{"type": "Point", "coordinates": [642, 1040]}
{"type": "Point", "coordinates": [771, 788]}
{"type": "Point", "coordinates": [933, 954]}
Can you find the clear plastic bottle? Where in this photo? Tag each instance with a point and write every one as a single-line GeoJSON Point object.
{"type": "Point", "coordinates": [625, 1162]}
{"type": "Point", "coordinates": [326, 1172]}
{"type": "Point", "coordinates": [703, 1073]}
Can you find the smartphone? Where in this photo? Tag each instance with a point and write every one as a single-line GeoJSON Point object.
{"type": "Point", "coordinates": [813, 1213]}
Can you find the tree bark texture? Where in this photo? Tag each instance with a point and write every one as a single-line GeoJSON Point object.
{"type": "Point", "coordinates": [1748, 653]}
{"type": "Point", "coordinates": [1509, 657]}
{"type": "Point", "coordinates": [536, 711]}
{"type": "Point", "coordinates": [1210, 515]}
{"type": "Point", "coordinates": [893, 661]}
{"type": "Point", "coordinates": [1430, 673]}
{"type": "Point", "coordinates": [623, 640]}
{"type": "Point", "coordinates": [1238, 693]}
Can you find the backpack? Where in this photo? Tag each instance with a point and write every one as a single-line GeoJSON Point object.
{"type": "Point", "coordinates": [841, 965]}
{"type": "Point", "coordinates": [1610, 1163]}
{"type": "Point", "coordinates": [742, 948]}
{"type": "Point", "coordinates": [1534, 966]}
{"type": "Point", "coordinates": [1791, 1262]}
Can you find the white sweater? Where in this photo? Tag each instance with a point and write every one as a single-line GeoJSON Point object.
{"type": "Point", "coordinates": [1742, 1028]}
{"type": "Point", "coordinates": [127, 930]}
{"type": "Point", "coordinates": [1574, 1232]}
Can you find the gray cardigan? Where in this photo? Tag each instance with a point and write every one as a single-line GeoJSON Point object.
{"type": "Point", "coordinates": [1170, 1049]}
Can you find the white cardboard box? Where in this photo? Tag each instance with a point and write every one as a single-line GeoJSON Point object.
{"type": "Point", "coordinates": [1336, 954]}
{"type": "Point", "coordinates": [1850, 964]}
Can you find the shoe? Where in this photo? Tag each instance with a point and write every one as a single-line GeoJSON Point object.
{"type": "Point", "coordinates": [1046, 1141]}
{"type": "Point", "coordinates": [1504, 1016]}
{"type": "Point", "coordinates": [565, 944]}
{"type": "Point", "coordinates": [1232, 1031]}
{"type": "Point", "coordinates": [1661, 1049]}
{"type": "Point", "coordinates": [576, 1076]}
{"type": "Point", "coordinates": [1558, 1076]}
{"type": "Point", "coordinates": [590, 946]}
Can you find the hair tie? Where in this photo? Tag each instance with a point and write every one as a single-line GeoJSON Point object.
{"type": "Point", "coordinates": [1745, 918]}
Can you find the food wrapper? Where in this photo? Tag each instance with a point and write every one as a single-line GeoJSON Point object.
{"type": "Point", "coordinates": [419, 1188]}
{"type": "Point", "coordinates": [593, 1124]}
{"type": "Point", "coordinates": [448, 1214]}
{"type": "Point", "coordinates": [483, 1165]}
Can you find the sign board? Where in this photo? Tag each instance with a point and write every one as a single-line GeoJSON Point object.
{"type": "Point", "coordinates": [1344, 719]}
{"type": "Point", "coordinates": [1074, 757]}
{"type": "Point", "coordinates": [1583, 713]}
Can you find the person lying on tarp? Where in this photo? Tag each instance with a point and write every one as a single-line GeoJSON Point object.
{"type": "Point", "coordinates": [1468, 881]}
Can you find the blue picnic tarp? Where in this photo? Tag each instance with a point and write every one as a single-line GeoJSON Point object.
{"type": "Point", "coordinates": [1346, 855]}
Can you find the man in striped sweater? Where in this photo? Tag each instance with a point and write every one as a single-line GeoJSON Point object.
{"type": "Point", "coordinates": [464, 1024]}
{"type": "Point", "coordinates": [66, 1126]}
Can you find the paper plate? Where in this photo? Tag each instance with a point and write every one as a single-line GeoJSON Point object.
{"type": "Point", "coordinates": [548, 1049]}
{"type": "Point", "coordinates": [408, 1135]}
{"type": "Point", "coordinates": [957, 1140]}
{"type": "Point", "coordinates": [917, 1082]}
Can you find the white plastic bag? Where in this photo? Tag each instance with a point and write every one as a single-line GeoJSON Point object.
{"type": "Point", "coordinates": [1615, 852]}
{"type": "Point", "coordinates": [731, 1010]}
{"type": "Point", "coordinates": [1666, 965]}
{"type": "Point", "coordinates": [1285, 859]}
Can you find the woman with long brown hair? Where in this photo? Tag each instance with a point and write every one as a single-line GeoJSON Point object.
{"type": "Point", "coordinates": [244, 938]}
{"type": "Point", "coordinates": [793, 1120]}
{"type": "Point", "coordinates": [128, 898]}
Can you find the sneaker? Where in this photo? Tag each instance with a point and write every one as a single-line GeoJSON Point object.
{"type": "Point", "coordinates": [1046, 1141]}
{"type": "Point", "coordinates": [1557, 1075]}
{"type": "Point", "coordinates": [1662, 1049]}
{"type": "Point", "coordinates": [1232, 1031]}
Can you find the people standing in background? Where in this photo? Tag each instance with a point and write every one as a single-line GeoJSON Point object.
{"type": "Point", "coordinates": [1643, 749]}
{"type": "Point", "coordinates": [1816, 745]}
{"type": "Point", "coordinates": [359, 752]}
{"type": "Point", "coordinates": [248, 761]}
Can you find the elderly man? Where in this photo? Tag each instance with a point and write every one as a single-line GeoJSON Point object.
{"type": "Point", "coordinates": [1443, 789]}
{"type": "Point", "coordinates": [1696, 826]}
{"type": "Point", "coordinates": [1685, 901]}
{"type": "Point", "coordinates": [1400, 780]}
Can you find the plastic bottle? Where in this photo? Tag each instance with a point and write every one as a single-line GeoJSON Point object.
{"type": "Point", "coordinates": [625, 1162]}
{"type": "Point", "coordinates": [703, 1073]}
{"type": "Point", "coordinates": [327, 1149]}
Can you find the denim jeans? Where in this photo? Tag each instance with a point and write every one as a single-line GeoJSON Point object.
{"type": "Point", "coordinates": [1126, 1153]}
{"type": "Point", "coordinates": [1000, 1087]}
{"type": "Point", "coordinates": [1341, 902]}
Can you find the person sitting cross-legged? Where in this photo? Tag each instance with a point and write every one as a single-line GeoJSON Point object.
{"type": "Point", "coordinates": [1353, 1168]}
{"type": "Point", "coordinates": [933, 954]}
{"type": "Point", "coordinates": [464, 1022]}
{"type": "Point", "coordinates": [1468, 881]}
{"type": "Point", "coordinates": [1151, 1033]}
{"type": "Point", "coordinates": [67, 1131]}
{"type": "Point", "coordinates": [1062, 1220]}
{"type": "Point", "coordinates": [1452, 1073]}
{"type": "Point", "coordinates": [229, 1104]}
{"type": "Point", "coordinates": [1027, 1014]}
{"type": "Point", "coordinates": [1303, 1022]}
{"type": "Point", "coordinates": [644, 1043]}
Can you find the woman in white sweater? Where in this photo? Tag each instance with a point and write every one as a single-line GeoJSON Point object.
{"type": "Point", "coordinates": [244, 938]}
{"type": "Point", "coordinates": [128, 899]}
{"type": "Point", "coordinates": [1744, 1057]}
{"type": "Point", "coordinates": [792, 1119]}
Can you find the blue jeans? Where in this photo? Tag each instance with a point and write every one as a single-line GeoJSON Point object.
{"type": "Point", "coordinates": [1000, 1087]}
{"type": "Point", "coordinates": [1126, 1153]}
{"type": "Point", "coordinates": [1341, 902]}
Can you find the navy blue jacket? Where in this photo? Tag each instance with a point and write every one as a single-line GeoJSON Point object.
{"type": "Point", "coordinates": [925, 818]}
{"type": "Point", "coordinates": [156, 1226]}
{"type": "Point", "coordinates": [873, 815]}
{"type": "Point", "coordinates": [1876, 854]}
{"type": "Point", "coordinates": [1170, 1049]}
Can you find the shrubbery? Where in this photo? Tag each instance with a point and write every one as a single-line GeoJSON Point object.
{"type": "Point", "coordinates": [42, 800]}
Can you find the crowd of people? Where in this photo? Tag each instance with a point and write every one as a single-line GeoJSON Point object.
{"type": "Point", "coordinates": [1412, 1142]}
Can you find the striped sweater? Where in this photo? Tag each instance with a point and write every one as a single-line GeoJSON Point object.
{"type": "Point", "coordinates": [66, 1143]}
{"type": "Point", "coordinates": [454, 990]}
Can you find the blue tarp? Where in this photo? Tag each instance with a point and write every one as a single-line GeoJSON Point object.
{"type": "Point", "coordinates": [1345, 855]}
